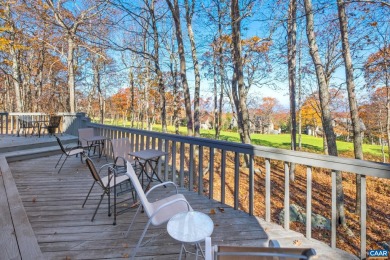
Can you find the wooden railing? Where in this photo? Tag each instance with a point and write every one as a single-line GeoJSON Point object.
{"type": "Point", "coordinates": [69, 124]}
{"type": "Point", "coordinates": [205, 151]}
{"type": "Point", "coordinates": [190, 157]}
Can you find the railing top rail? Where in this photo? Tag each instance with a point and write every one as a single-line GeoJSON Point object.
{"type": "Point", "coordinates": [375, 169]}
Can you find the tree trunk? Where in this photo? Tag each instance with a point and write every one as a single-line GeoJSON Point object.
{"type": "Point", "coordinates": [16, 74]}
{"type": "Point", "coordinates": [238, 87]}
{"type": "Point", "coordinates": [132, 114]}
{"type": "Point", "coordinates": [324, 103]}
{"type": "Point", "coordinates": [156, 59]}
{"type": "Point", "coordinates": [71, 78]}
{"type": "Point", "coordinates": [291, 56]}
{"type": "Point", "coordinates": [357, 138]}
{"type": "Point", "coordinates": [183, 70]}
{"type": "Point", "coordinates": [189, 14]}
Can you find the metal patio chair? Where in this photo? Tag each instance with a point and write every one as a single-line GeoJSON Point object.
{"type": "Point", "coordinates": [54, 123]}
{"type": "Point", "coordinates": [68, 151]}
{"type": "Point", "coordinates": [85, 133]}
{"type": "Point", "coordinates": [120, 150]}
{"type": "Point", "coordinates": [274, 251]}
{"type": "Point", "coordinates": [158, 212]}
{"type": "Point", "coordinates": [107, 184]}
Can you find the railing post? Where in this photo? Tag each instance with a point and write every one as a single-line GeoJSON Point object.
{"type": "Point", "coordinates": [334, 210]}
{"type": "Point", "coordinates": [267, 190]}
{"type": "Point", "coordinates": [308, 201]}
{"type": "Point", "coordinates": [286, 196]}
{"type": "Point", "coordinates": [363, 217]}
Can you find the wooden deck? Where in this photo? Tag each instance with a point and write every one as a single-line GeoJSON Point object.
{"type": "Point", "coordinates": [63, 230]}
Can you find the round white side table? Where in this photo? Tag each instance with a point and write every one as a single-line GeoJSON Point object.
{"type": "Point", "coordinates": [190, 227]}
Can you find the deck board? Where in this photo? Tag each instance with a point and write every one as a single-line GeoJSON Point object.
{"type": "Point", "coordinates": [64, 229]}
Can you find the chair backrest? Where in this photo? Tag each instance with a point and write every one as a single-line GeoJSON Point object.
{"type": "Point", "coordinates": [61, 145]}
{"type": "Point", "coordinates": [54, 121]}
{"type": "Point", "coordinates": [121, 148]}
{"type": "Point", "coordinates": [94, 172]}
{"type": "Point", "coordinates": [85, 133]}
{"type": "Point", "coordinates": [138, 188]}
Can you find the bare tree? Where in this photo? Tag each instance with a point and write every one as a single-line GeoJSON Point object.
{"type": "Point", "coordinates": [291, 57]}
{"type": "Point", "coordinates": [357, 137]}
{"type": "Point", "coordinates": [238, 86]}
{"type": "Point", "coordinates": [324, 103]}
{"type": "Point", "coordinates": [175, 10]}
{"type": "Point", "coordinates": [70, 24]}
{"type": "Point", "coordinates": [189, 14]}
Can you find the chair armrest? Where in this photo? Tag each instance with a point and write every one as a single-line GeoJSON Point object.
{"type": "Point", "coordinates": [161, 184]}
{"type": "Point", "coordinates": [170, 203]}
{"type": "Point", "coordinates": [120, 157]}
{"type": "Point", "coordinates": [109, 165]}
{"type": "Point", "coordinates": [72, 147]}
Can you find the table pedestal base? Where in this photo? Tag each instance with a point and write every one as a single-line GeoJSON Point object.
{"type": "Point", "coordinates": [197, 247]}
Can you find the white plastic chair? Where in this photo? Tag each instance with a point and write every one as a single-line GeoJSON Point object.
{"type": "Point", "coordinates": [158, 212]}
{"type": "Point", "coordinates": [274, 251]}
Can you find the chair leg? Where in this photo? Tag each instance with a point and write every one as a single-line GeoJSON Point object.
{"type": "Point", "coordinates": [140, 240]}
{"type": "Point", "coordinates": [132, 221]}
{"type": "Point", "coordinates": [102, 196]}
{"type": "Point", "coordinates": [63, 164]}
{"type": "Point", "coordinates": [86, 198]}
{"type": "Point", "coordinates": [59, 160]}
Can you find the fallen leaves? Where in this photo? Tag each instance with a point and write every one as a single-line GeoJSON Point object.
{"type": "Point", "coordinates": [212, 212]}
{"type": "Point", "coordinates": [297, 242]}
{"type": "Point", "coordinates": [34, 199]}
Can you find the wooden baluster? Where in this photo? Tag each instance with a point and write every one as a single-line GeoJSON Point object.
{"type": "Point", "coordinates": [308, 200]}
{"type": "Point", "coordinates": [173, 161]}
{"type": "Point", "coordinates": [251, 184]}
{"type": "Point", "coordinates": [223, 175]}
{"type": "Point", "coordinates": [191, 169]}
{"type": "Point", "coordinates": [286, 196]}
{"type": "Point", "coordinates": [211, 173]}
{"type": "Point", "coordinates": [267, 190]}
{"type": "Point", "coordinates": [363, 217]}
{"type": "Point", "coordinates": [200, 169]}
{"type": "Point", "coordinates": [182, 156]}
{"type": "Point", "coordinates": [334, 211]}
{"type": "Point", "coordinates": [236, 179]}
{"type": "Point", "coordinates": [166, 160]}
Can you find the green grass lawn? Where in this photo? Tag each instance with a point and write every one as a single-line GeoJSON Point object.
{"type": "Point", "coordinates": [309, 143]}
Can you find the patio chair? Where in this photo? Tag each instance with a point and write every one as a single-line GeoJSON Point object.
{"type": "Point", "coordinates": [54, 123]}
{"type": "Point", "coordinates": [274, 251]}
{"type": "Point", "coordinates": [107, 183]}
{"type": "Point", "coordinates": [68, 151]}
{"type": "Point", "coordinates": [85, 133]}
{"type": "Point", "coordinates": [158, 212]}
{"type": "Point", "coordinates": [25, 123]}
{"type": "Point", "coordinates": [120, 150]}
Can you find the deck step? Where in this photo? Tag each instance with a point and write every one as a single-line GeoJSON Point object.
{"type": "Point", "coordinates": [44, 147]}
